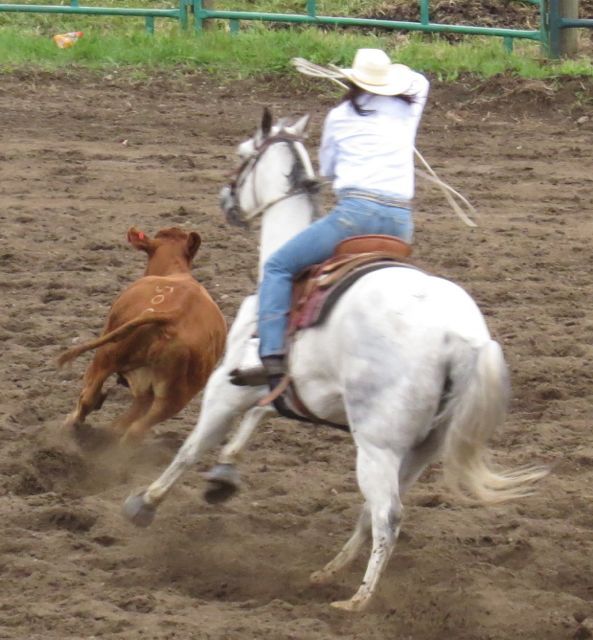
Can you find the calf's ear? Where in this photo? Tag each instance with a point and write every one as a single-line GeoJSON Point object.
{"type": "Point", "coordinates": [139, 240]}
{"type": "Point", "coordinates": [194, 241]}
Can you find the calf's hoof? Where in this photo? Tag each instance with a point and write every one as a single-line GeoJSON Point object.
{"type": "Point", "coordinates": [223, 483]}
{"type": "Point", "coordinates": [138, 511]}
{"type": "Point", "coordinates": [72, 423]}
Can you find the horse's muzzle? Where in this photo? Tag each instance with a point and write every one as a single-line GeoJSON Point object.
{"type": "Point", "coordinates": [230, 208]}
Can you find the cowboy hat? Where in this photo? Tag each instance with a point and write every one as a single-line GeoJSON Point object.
{"type": "Point", "coordinates": [373, 71]}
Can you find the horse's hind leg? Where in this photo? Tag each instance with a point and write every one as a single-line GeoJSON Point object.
{"type": "Point", "coordinates": [232, 450]}
{"type": "Point", "coordinates": [420, 457]}
{"type": "Point", "coordinates": [378, 478]}
{"type": "Point", "coordinates": [223, 478]}
{"type": "Point", "coordinates": [411, 468]}
{"type": "Point", "coordinates": [348, 552]}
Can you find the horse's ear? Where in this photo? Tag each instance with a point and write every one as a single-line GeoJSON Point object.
{"type": "Point", "coordinates": [300, 126]}
{"type": "Point", "coordinates": [266, 122]}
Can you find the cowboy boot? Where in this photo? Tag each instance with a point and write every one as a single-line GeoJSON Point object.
{"type": "Point", "coordinates": [271, 372]}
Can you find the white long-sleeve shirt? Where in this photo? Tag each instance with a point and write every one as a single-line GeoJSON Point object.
{"type": "Point", "coordinates": [374, 151]}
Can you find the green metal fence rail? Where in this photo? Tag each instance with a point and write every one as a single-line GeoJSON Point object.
{"type": "Point", "coordinates": [556, 23]}
{"type": "Point", "coordinates": [202, 13]}
{"type": "Point", "coordinates": [149, 14]}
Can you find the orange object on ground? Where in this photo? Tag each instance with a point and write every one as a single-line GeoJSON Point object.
{"type": "Point", "coordinates": [65, 40]}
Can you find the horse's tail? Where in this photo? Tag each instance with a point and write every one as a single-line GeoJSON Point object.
{"type": "Point", "coordinates": [114, 336]}
{"type": "Point", "coordinates": [477, 406]}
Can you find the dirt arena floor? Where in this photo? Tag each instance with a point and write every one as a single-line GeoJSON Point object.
{"type": "Point", "coordinates": [84, 157]}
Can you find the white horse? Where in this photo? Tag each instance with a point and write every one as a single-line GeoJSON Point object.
{"type": "Point", "coordinates": [405, 359]}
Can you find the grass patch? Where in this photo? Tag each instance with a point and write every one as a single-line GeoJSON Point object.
{"type": "Point", "coordinates": [258, 49]}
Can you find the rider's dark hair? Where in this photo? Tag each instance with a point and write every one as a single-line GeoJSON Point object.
{"type": "Point", "coordinates": [354, 93]}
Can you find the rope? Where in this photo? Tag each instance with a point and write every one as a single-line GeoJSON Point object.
{"type": "Point", "coordinates": [334, 73]}
{"type": "Point", "coordinates": [311, 69]}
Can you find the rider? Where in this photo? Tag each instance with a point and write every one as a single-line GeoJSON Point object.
{"type": "Point", "coordinates": [367, 150]}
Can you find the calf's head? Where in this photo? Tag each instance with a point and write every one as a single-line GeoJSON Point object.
{"type": "Point", "coordinates": [170, 251]}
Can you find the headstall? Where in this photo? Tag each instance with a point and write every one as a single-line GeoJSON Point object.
{"type": "Point", "coordinates": [234, 213]}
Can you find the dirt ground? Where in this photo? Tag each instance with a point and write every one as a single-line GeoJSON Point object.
{"type": "Point", "coordinates": [84, 157]}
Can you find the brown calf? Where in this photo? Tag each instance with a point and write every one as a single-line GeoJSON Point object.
{"type": "Point", "coordinates": [164, 335]}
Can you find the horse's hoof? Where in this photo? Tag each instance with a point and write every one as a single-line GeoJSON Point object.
{"type": "Point", "coordinates": [350, 605]}
{"type": "Point", "coordinates": [138, 511]}
{"type": "Point", "coordinates": [223, 482]}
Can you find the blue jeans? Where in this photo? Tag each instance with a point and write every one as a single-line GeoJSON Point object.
{"type": "Point", "coordinates": [352, 216]}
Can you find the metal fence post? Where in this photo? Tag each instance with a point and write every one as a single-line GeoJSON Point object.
{"type": "Point", "coordinates": [424, 12]}
{"type": "Point", "coordinates": [562, 41]}
{"type": "Point", "coordinates": [207, 5]}
{"type": "Point", "coordinates": [569, 38]}
{"type": "Point", "coordinates": [553, 20]}
{"type": "Point", "coordinates": [544, 26]}
{"type": "Point", "coordinates": [184, 9]}
{"type": "Point", "coordinates": [198, 19]}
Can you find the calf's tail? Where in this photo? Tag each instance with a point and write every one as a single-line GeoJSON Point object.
{"type": "Point", "coordinates": [113, 336]}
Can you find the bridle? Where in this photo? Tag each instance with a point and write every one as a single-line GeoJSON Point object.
{"type": "Point", "coordinates": [229, 197]}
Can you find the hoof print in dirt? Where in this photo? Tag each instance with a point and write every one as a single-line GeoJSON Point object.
{"type": "Point", "coordinates": [48, 469]}
{"type": "Point", "coordinates": [139, 604]}
{"type": "Point", "coordinates": [76, 521]}
{"type": "Point", "coordinates": [105, 540]}
{"type": "Point", "coordinates": [29, 483]}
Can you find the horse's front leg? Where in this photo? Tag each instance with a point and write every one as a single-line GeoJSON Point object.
{"type": "Point", "coordinates": [224, 477]}
{"type": "Point", "coordinates": [221, 404]}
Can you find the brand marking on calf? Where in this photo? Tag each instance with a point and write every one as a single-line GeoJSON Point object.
{"type": "Point", "coordinates": [160, 297]}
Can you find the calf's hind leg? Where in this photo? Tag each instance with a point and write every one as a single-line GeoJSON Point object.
{"type": "Point", "coordinates": [140, 406]}
{"type": "Point", "coordinates": [160, 396]}
{"type": "Point", "coordinates": [91, 397]}
{"type": "Point", "coordinates": [161, 409]}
